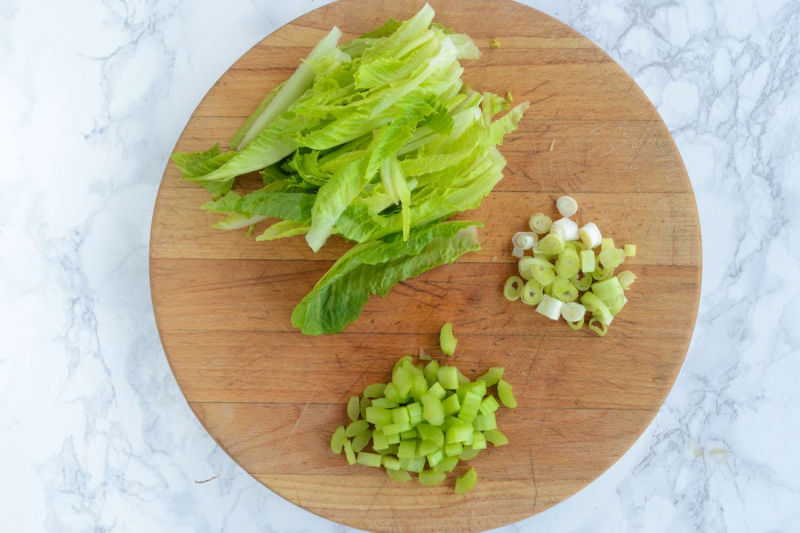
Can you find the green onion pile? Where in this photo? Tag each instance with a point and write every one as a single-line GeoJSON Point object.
{"type": "Point", "coordinates": [564, 265]}
{"type": "Point", "coordinates": [425, 420]}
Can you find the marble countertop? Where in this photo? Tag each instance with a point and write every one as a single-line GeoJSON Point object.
{"type": "Point", "coordinates": [95, 434]}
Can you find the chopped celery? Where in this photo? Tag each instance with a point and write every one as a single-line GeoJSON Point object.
{"type": "Point", "coordinates": [423, 356]}
{"type": "Point", "coordinates": [485, 422]}
{"type": "Point", "coordinates": [415, 413]}
{"type": "Point", "coordinates": [462, 379]}
{"type": "Point", "coordinates": [402, 381]}
{"type": "Point", "coordinates": [430, 477]}
{"type": "Point", "coordinates": [512, 289]}
{"type": "Point", "coordinates": [369, 459]}
{"type": "Point", "coordinates": [398, 475]}
{"type": "Point", "coordinates": [353, 408]}
{"type": "Point", "coordinates": [630, 250]}
{"type": "Point", "coordinates": [448, 464]}
{"type": "Point", "coordinates": [337, 439]}
{"type": "Point", "coordinates": [466, 482]}
{"type": "Point", "coordinates": [349, 453]}
{"type": "Point", "coordinates": [379, 416]}
{"type": "Point", "coordinates": [390, 463]}
{"type": "Point", "coordinates": [415, 465]}
{"type": "Point", "coordinates": [489, 405]}
{"type": "Point", "coordinates": [365, 402]}
{"type": "Point", "coordinates": [437, 391]}
{"type": "Point", "coordinates": [407, 448]}
{"type": "Point", "coordinates": [446, 339]}
{"type": "Point", "coordinates": [427, 447]}
{"type": "Point", "coordinates": [470, 407]}
{"type": "Point", "coordinates": [496, 437]}
{"type": "Point", "coordinates": [451, 404]}
{"type": "Point", "coordinates": [361, 440]}
{"type": "Point", "coordinates": [400, 415]}
{"type": "Point", "coordinates": [393, 394]}
{"type": "Point", "coordinates": [431, 433]}
{"type": "Point", "coordinates": [374, 391]}
{"type": "Point", "coordinates": [400, 362]}
{"type": "Point", "coordinates": [396, 429]}
{"type": "Point", "coordinates": [430, 372]}
{"type": "Point", "coordinates": [411, 369]}
{"type": "Point", "coordinates": [379, 440]}
{"type": "Point", "coordinates": [449, 421]}
{"type": "Point", "coordinates": [356, 428]}
{"type": "Point", "coordinates": [448, 377]}
{"type": "Point", "coordinates": [419, 387]}
{"type": "Point", "coordinates": [478, 387]}
{"type": "Point", "coordinates": [478, 441]}
{"type": "Point", "coordinates": [471, 453]}
{"type": "Point", "coordinates": [492, 376]}
{"type": "Point", "coordinates": [459, 433]}
{"type": "Point", "coordinates": [454, 449]}
{"type": "Point", "coordinates": [435, 457]}
{"type": "Point", "coordinates": [410, 434]}
{"type": "Point", "coordinates": [504, 391]}
{"type": "Point", "coordinates": [384, 403]}
{"type": "Point", "coordinates": [432, 410]}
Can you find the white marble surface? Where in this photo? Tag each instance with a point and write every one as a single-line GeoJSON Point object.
{"type": "Point", "coordinates": [96, 436]}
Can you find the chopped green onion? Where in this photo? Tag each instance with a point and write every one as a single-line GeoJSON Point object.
{"type": "Point", "coordinates": [349, 453]}
{"type": "Point", "coordinates": [524, 240]}
{"type": "Point", "coordinates": [448, 464]}
{"type": "Point", "coordinates": [390, 463]}
{"type": "Point", "coordinates": [399, 475]}
{"type": "Point", "coordinates": [353, 408]}
{"type": "Point", "coordinates": [431, 477]}
{"type": "Point", "coordinates": [451, 404]}
{"type": "Point", "coordinates": [492, 376]}
{"type": "Point", "coordinates": [552, 244]}
{"type": "Point", "coordinates": [576, 325]}
{"type": "Point", "coordinates": [597, 307]}
{"type": "Point", "coordinates": [608, 291]}
{"type": "Point", "coordinates": [601, 330]}
{"type": "Point", "coordinates": [611, 258]}
{"type": "Point", "coordinates": [361, 440]}
{"type": "Point", "coordinates": [432, 410]}
{"type": "Point", "coordinates": [430, 371]}
{"type": "Point", "coordinates": [578, 246]}
{"type": "Point", "coordinates": [374, 390]}
{"type": "Point", "coordinates": [466, 482]}
{"type": "Point", "coordinates": [568, 263]}
{"type": "Point", "coordinates": [512, 289]}
{"type": "Point", "coordinates": [563, 290]}
{"type": "Point", "coordinates": [584, 283]}
{"type": "Point", "coordinates": [590, 236]}
{"type": "Point", "coordinates": [573, 312]}
{"type": "Point", "coordinates": [447, 340]}
{"type": "Point", "coordinates": [384, 403]}
{"type": "Point", "coordinates": [566, 228]}
{"type": "Point", "coordinates": [506, 394]}
{"type": "Point", "coordinates": [540, 223]}
{"type": "Point", "coordinates": [337, 439]}
{"type": "Point", "coordinates": [550, 307]}
{"type": "Point", "coordinates": [567, 206]}
{"type": "Point", "coordinates": [542, 271]}
{"type": "Point", "coordinates": [607, 244]}
{"type": "Point", "coordinates": [618, 305]}
{"type": "Point", "coordinates": [524, 265]}
{"type": "Point", "coordinates": [626, 279]}
{"type": "Point", "coordinates": [532, 292]}
{"type": "Point", "coordinates": [588, 262]}
{"type": "Point", "coordinates": [489, 405]}
{"type": "Point", "coordinates": [356, 428]}
{"type": "Point", "coordinates": [602, 273]}
{"type": "Point", "coordinates": [369, 459]}
{"type": "Point", "coordinates": [496, 437]}
{"type": "Point", "coordinates": [630, 250]}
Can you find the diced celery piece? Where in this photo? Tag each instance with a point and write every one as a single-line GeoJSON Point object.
{"type": "Point", "coordinates": [448, 464]}
{"type": "Point", "coordinates": [451, 404]}
{"type": "Point", "coordinates": [478, 387]}
{"type": "Point", "coordinates": [431, 433]}
{"type": "Point", "coordinates": [412, 369]}
{"type": "Point", "coordinates": [446, 339]}
{"type": "Point", "coordinates": [478, 441]}
{"type": "Point", "coordinates": [489, 405]}
{"type": "Point", "coordinates": [449, 421]}
{"type": "Point", "coordinates": [349, 453]}
{"type": "Point", "coordinates": [504, 391]}
{"type": "Point", "coordinates": [396, 429]}
{"type": "Point", "coordinates": [383, 402]}
{"type": "Point", "coordinates": [418, 387]}
{"type": "Point", "coordinates": [469, 407]}
{"type": "Point", "coordinates": [459, 433]}
{"type": "Point", "coordinates": [394, 438]}
{"type": "Point", "coordinates": [485, 422]}
{"type": "Point", "coordinates": [469, 453]}
{"type": "Point", "coordinates": [448, 377]}
{"type": "Point", "coordinates": [356, 428]}
{"type": "Point", "coordinates": [379, 416]}
{"type": "Point", "coordinates": [407, 448]}
{"type": "Point", "coordinates": [353, 408]}
{"type": "Point", "coordinates": [337, 439]}
{"type": "Point", "coordinates": [462, 379]}
{"type": "Point", "coordinates": [390, 463]}
{"type": "Point", "coordinates": [427, 446]}
{"type": "Point", "coordinates": [495, 437]}
{"type": "Point", "coordinates": [392, 449]}
{"type": "Point", "coordinates": [393, 394]}
{"type": "Point", "coordinates": [469, 439]}
{"type": "Point", "coordinates": [408, 435]}
{"type": "Point", "coordinates": [400, 414]}
{"type": "Point", "coordinates": [415, 413]}
{"type": "Point", "coordinates": [369, 459]}
{"type": "Point", "coordinates": [435, 457]}
{"type": "Point", "coordinates": [492, 376]}
{"type": "Point", "coordinates": [437, 391]}
{"type": "Point", "coordinates": [400, 362]}
{"type": "Point", "coordinates": [361, 440]}
{"type": "Point", "coordinates": [379, 440]}
{"type": "Point", "coordinates": [365, 402]}
{"type": "Point", "coordinates": [402, 380]}
{"type": "Point", "coordinates": [431, 477]}
{"type": "Point", "coordinates": [454, 449]}
{"type": "Point", "coordinates": [398, 475]}
{"type": "Point", "coordinates": [466, 482]}
{"type": "Point", "coordinates": [430, 372]}
{"type": "Point", "coordinates": [375, 390]}
{"type": "Point", "coordinates": [432, 410]}
{"type": "Point", "coordinates": [415, 465]}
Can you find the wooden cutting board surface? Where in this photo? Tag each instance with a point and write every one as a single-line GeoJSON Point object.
{"type": "Point", "coordinates": [271, 397]}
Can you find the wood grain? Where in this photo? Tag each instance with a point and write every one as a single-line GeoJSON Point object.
{"type": "Point", "coordinates": [271, 396]}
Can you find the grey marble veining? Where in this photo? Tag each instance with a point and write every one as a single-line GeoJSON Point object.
{"type": "Point", "coordinates": [95, 434]}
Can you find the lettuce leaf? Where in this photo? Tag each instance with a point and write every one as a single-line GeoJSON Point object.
{"type": "Point", "coordinates": [376, 267]}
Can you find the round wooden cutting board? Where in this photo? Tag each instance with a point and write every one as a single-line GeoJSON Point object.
{"type": "Point", "coordinates": [271, 397]}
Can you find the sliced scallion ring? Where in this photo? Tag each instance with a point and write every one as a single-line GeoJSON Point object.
{"type": "Point", "coordinates": [567, 228]}
{"type": "Point", "coordinates": [567, 206]}
{"type": "Point", "coordinates": [540, 223]}
{"type": "Point", "coordinates": [573, 312]}
{"type": "Point", "coordinates": [550, 307]}
{"type": "Point", "coordinates": [524, 239]}
{"type": "Point", "coordinates": [562, 289]}
{"type": "Point", "coordinates": [512, 289]}
{"type": "Point", "coordinates": [600, 330]}
{"type": "Point", "coordinates": [552, 244]}
{"type": "Point", "coordinates": [576, 325]}
{"type": "Point", "coordinates": [590, 235]}
{"type": "Point", "coordinates": [568, 263]}
{"type": "Point", "coordinates": [626, 279]}
{"type": "Point", "coordinates": [582, 284]}
{"type": "Point", "coordinates": [532, 292]}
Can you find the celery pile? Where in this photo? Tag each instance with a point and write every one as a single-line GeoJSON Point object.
{"type": "Point", "coordinates": [564, 265]}
{"type": "Point", "coordinates": [370, 140]}
{"type": "Point", "coordinates": [426, 415]}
